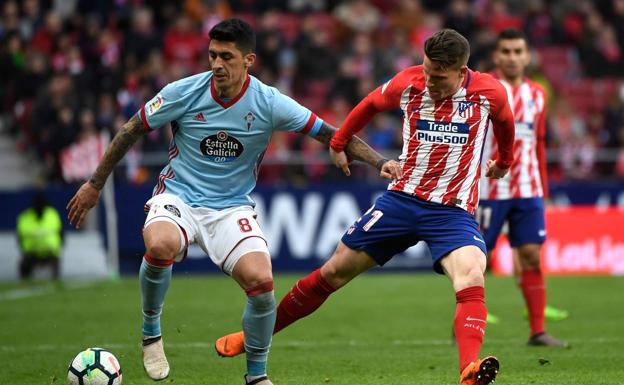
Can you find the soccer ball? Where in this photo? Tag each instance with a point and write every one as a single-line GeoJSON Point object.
{"type": "Point", "coordinates": [94, 366]}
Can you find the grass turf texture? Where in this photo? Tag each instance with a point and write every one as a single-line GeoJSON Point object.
{"type": "Point", "coordinates": [380, 329]}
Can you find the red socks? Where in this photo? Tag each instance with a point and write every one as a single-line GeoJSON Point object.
{"type": "Point", "coordinates": [534, 292]}
{"type": "Point", "coordinates": [470, 321]}
{"type": "Point", "coordinates": [305, 297]}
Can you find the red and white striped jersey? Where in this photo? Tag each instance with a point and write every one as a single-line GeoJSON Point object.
{"type": "Point", "coordinates": [442, 140]}
{"type": "Point", "coordinates": [527, 176]}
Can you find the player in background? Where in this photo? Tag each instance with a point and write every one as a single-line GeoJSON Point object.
{"type": "Point", "coordinates": [518, 198]}
{"type": "Point", "coordinates": [446, 111]}
{"type": "Point", "coordinates": [222, 121]}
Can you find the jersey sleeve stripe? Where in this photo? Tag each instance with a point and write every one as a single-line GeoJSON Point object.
{"type": "Point", "coordinates": [316, 127]}
{"type": "Point", "coordinates": [146, 126]}
{"type": "Point", "coordinates": [310, 125]}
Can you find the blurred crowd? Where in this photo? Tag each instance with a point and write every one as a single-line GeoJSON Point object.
{"type": "Point", "coordinates": [71, 70]}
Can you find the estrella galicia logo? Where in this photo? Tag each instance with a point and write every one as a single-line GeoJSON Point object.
{"type": "Point", "coordinates": [221, 148]}
{"type": "Point", "coordinates": [174, 210]}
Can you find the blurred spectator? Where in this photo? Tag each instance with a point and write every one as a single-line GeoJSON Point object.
{"type": "Point", "coordinates": [143, 38]}
{"type": "Point", "coordinates": [538, 24]}
{"type": "Point", "coordinates": [618, 20]}
{"type": "Point", "coordinates": [614, 122]}
{"type": "Point", "coordinates": [32, 18]}
{"type": "Point", "coordinates": [569, 132]}
{"type": "Point", "coordinates": [600, 52]}
{"type": "Point", "coordinates": [358, 16]}
{"type": "Point", "coordinates": [346, 82]}
{"type": "Point", "coordinates": [183, 44]}
{"type": "Point", "coordinates": [459, 17]}
{"type": "Point", "coordinates": [306, 6]}
{"type": "Point", "coordinates": [40, 237]}
{"type": "Point", "coordinates": [12, 63]}
{"type": "Point", "coordinates": [269, 43]}
{"type": "Point", "coordinates": [338, 110]}
{"type": "Point", "coordinates": [500, 18]}
{"type": "Point", "coordinates": [58, 57]}
{"type": "Point", "coordinates": [10, 18]}
{"type": "Point", "coordinates": [316, 58]}
{"type": "Point", "coordinates": [406, 15]}
{"type": "Point", "coordinates": [45, 38]}
{"type": "Point", "coordinates": [432, 23]}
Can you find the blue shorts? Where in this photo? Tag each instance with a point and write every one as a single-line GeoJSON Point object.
{"type": "Point", "coordinates": [525, 217]}
{"type": "Point", "coordinates": [398, 221]}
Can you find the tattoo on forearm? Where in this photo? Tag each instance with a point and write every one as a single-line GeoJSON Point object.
{"type": "Point", "coordinates": [357, 149]}
{"type": "Point", "coordinates": [326, 132]}
{"type": "Point", "coordinates": [119, 146]}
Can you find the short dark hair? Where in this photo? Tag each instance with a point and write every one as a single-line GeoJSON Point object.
{"type": "Point", "coordinates": [447, 48]}
{"type": "Point", "coordinates": [511, 34]}
{"type": "Point", "coordinates": [237, 31]}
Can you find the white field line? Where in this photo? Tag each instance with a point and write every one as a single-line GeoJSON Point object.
{"type": "Point", "coordinates": [299, 344]}
{"type": "Point", "coordinates": [38, 291]}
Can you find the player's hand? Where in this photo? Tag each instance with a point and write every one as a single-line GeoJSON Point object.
{"type": "Point", "coordinates": [86, 197]}
{"type": "Point", "coordinates": [391, 170]}
{"type": "Point", "coordinates": [493, 171]}
{"type": "Point", "coordinates": [340, 160]}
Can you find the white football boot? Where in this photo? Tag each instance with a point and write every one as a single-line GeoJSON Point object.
{"type": "Point", "coordinates": [155, 361]}
{"type": "Point", "coordinates": [264, 380]}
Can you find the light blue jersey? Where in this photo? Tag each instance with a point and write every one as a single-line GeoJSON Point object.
{"type": "Point", "coordinates": [218, 145]}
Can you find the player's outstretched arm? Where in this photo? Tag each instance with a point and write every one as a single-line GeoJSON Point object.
{"type": "Point", "coordinates": [87, 196]}
{"type": "Point", "coordinates": [357, 149]}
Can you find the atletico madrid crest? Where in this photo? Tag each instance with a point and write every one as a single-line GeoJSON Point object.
{"type": "Point", "coordinates": [466, 110]}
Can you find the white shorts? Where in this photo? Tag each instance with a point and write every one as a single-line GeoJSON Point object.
{"type": "Point", "coordinates": [217, 232]}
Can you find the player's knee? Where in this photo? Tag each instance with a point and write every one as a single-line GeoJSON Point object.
{"type": "Point", "coordinates": [471, 277]}
{"type": "Point", "coordinates": [162, 248]}
{"type": "Point", "coordinates": [337, 276]}
{"type": "Point", "coordinates": [531, 262]}
{"type": "Point", "coordinates": [530, 258]}
{"type": "Point", "coordinates": [258, 280]}
{"type": "Point", "coordinates": [255, 277]}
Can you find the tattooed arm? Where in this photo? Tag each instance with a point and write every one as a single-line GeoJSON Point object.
{"type": "Point", "coordinates": [357, 149]}
{"type": "Point", "coordinates": [121, 143]}
{"type": "Point", "coordinates": [89, 193]}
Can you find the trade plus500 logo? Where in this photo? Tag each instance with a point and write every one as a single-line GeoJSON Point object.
{"type": "Point", "coordinates": [221, 147]}
{"type": "Point", "coordinates": [442, 132]}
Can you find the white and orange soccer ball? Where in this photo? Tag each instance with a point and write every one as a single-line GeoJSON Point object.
{"type": "Point", "coordinates": [94, 366]}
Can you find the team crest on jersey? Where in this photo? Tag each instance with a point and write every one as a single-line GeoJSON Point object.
{"type": "Point", "coordinates": [249, 119]}
{"type": "Point", "coordinates": [174, 210]}
{"type": "Point", "coordinates": [221, 148]}
{"type": "Point", "coordinates": [154, 104]}
{"type": "Point", "coordinates": [466, 109]}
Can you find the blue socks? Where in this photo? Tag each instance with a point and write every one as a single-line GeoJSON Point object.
{"type": "Point", "coordinates": [154, 284]}
{"type": "Point", "coordinates": [258, 323]}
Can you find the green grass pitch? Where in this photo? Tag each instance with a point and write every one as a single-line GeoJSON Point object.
{"type": "Point", "coordinates": [382, 329]}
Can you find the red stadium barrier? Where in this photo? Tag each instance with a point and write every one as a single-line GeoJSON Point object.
{"type": "Point", "coordinates": [581, 240]}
